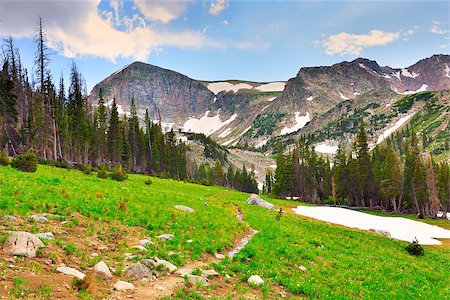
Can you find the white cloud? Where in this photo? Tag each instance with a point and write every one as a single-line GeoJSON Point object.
{"type": "Point", "coordinates": [76, 28]}
{"type": "Point", "coordinates": [218, 6]}
{"type": "Point", "coordinates": [437, 30]}
{"type": "Point", "coordinates": [163, 11]}
{"type": "Point", "coordinates": [225, 22]}
{"type": "Point", "coordinates": [353, 44]}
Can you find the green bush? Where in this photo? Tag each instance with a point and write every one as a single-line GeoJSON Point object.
{"type": "Point", "coordinates": [87, 170]}
{"type": "Point", "coordinates": [415, 248]}
{"type": "Point", "coordinates": [26, 162]}
{"type": "Point", "coordinates": [148, 182]}
{"type": "Point", "coordinates": [4, 158]}
{"type": "Point", "coordinates": [102, 172]}
{"type": "Point", "coordinates": [119, 174]}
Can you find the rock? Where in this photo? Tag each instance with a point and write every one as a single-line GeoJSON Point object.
{"type": "Point", "coordinates": [197, 280]}
{"type": "Point", "coordinates": [171, 267]}
{"type": "Point", "coordinates": [184, 272]}
{"type": "Point", "coordinates": [102, 271]}
{"type": "Point", "coordinates": [22, 244]}
{"type": "Point", "coordinates": [123, 286]}
{"type": "Point", "coordinates": [129, 256]}
{"type": "Point", "coordinates": [103, 248]}
{"type": "Point", "coordinates": [189, 241]}
{"type": "Point", "coordinates": [148, 262]}
{"type": "Point", "coordinates": [94, 254]}
{"type": "Point", "coordinates": [139, 247]}
{"type": "Point", "coordinates": [145, 242]}
{"type": "Point", "coordinates": [159, 287]}
{"type": "Point", "coordinates": [71, 272]}
{"type": "Point", "coordinates": [184, 208]}
{"type": "Point", "coordinates": [255, 280]}
{"type": "Point", "coordinates": [219, 256]}
{"type": "Point", "coordinates": [384, 232]}
{"type": "Point", "coordinates": [166, 237]}
{"type": "Point", "coordinates": [256, 200]}
{"type": "Point", "coordinates": [39, 218]}
{"type": "Point", "coordinates": [9, 218]}
{"type": "Point", "coordinates": [206, 204]}
{"type": "Point", "coordinates": [137, 271]}
{"type": "Point", "coordinates": [210, 273]}
{"type": "Point", "coordinates": [303, 269]}
{"type": "Point", "coordinates": [45, 236]}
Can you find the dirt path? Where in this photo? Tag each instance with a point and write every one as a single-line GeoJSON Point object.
{"type": "Point", "coordinates": [169, 284]}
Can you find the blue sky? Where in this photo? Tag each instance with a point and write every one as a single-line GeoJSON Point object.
{"type": "Point", "coordinates": [220, 39]}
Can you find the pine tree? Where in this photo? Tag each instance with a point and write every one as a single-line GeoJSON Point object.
{"type": "Point", "coordinates": [364, 169]}
{"type": "Point", "coordinates": [433, 199]}
{"type": "Point", "coordinates": [113, 134]}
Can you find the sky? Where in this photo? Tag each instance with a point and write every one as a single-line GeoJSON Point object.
{"type": "Point", "coordinates": [221, 39]}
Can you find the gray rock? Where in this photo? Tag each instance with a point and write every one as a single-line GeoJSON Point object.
{"type": "Point", "coordinates": [256, 200]}
{"type": "Point", "coordinates": [94, 254]}
{"type": "Point", "coordinates": [45, 236]}
{"type": "Point", "coordinates": [210, 273]}
{"type": "Point", "coordinates": [39, 218]}
{"type": "Point", "coordinates": [102, 271]}
{"type": "Point", "coordinates": [137, 271]}
{"type": "Point", "coordinates": [9, 218]}
{"type": "Point", "coordinates": [171, 267]}
{"type": "Point", "coordinates": [166, 237]}
{"type": "Point", "coordinates": [71, 272]}
{"type": "Point", "coordinates": [145, 242]}
{"type": "Point", "coordinates": [219, 256]}
{"type": "Point", "coordinates": [303, 269]}
{"type": "Point", "coordinates": [184, 208]}
{"type": "Point", "coordinates": [184, 272]}
{"type": "Point", "coordinates": [123, 286]}
{"type": "Point", "coordinates": [255, 280]}
{"type": "Point", "coordinates": [22, 244]}
{"type": "Point", "coordinates": [148, 262]}
{"type": "Point", "coordinates": [197, 280]}
{"type": "Point", "coordinates": [139, 247]}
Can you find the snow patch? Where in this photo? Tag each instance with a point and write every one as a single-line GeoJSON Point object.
{"type": "Point", "coordinates": [263, 143]}
{"type": "Point", "coordinates": [260, 186]}
{"type": "Point", "coordinates": [399, 228]}
{"type": "Point", "coordinates": [310, 98]}
{"type": "Point", "coordinates": [271, 87]}
{"type": "Point", "coordinates": [423, 88]}
{"type": "Point", "coordinates": [233, 139]}
{"type": "Point", "coordinates": [356, 93]}
{"type": "Point", "coordinates": [206, 125]}
{"type": "Point", "coordinates": [117, 72]}
{"type": "Point", "coordinates": [386, 76]}
{"type": "Point", "coordinates": [300, 122]}
{"type": "Point", "coordinates": [397, 74]}
{"type": "Point", "coordinates": [447, 71]}
{"type": "Point", "coordinates": [327, 149]}
{"type": "Point", "coordinates": [271, 99]}
{"type": "Point", "coordinates": [396, 126]}
{"type": "Point", "coordinates": [225, 133]}
{"type": "Point", "coordinates": [217, 87]}
{"type": "Point", "coordinates": [406, 73]}
{"type": "Point", "coordinates": [440, 214]}
{"type": "Point", "coordinates": [265, 107]}
{"type": "Point", "coordinates": [343, 97]}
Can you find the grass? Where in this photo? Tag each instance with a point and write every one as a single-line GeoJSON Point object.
{"type": "Point", "coordinates": [341, 263]}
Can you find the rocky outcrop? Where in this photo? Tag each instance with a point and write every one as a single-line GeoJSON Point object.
{"type": "Point", "coordinates": [256, 200]}
{"type": "Point", "coordinates": [22, 244]}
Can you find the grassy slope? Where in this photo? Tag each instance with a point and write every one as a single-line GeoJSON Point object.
{"type": "Point", "coordinates": [342, 263]}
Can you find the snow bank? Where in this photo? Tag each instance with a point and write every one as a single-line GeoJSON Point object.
{"type": "Point", "coordinates": [206, 125]}
{"type": "Point", "coordinates": [300, 122]}
{"type": "Point", "coordinates": [271, 87]}
{"type": "Point", "coordinates": [439, 215]}
{"type": "Point", "coordinates": [423, 88]}
{"type": "Point", "coordinates": [406, 73]}
{"type": "Point", "coordinates": [271, 99]}
{"type": "Point", "coordinates": [225, 133]}
{"type": "Point", "coordinates": [396, 126]}
{"type": "Point", "coordinates": [310, 98]}
{"type": "Point", "coordinates": [263, 143]}
{"type": "Point", "coordinates": [399, 228]}
{"type": "Point", "coordinates": [233, 139]}
{"type": "Point", "coordinates": [217, 87]}
{"type": "Point", "coordinates": [327, 149]}
{"type": "Point", "coordinates": [447, 71]}
{"type": "Point", "coordinates": [343, 97]}
{"type": "Point", "coordinates": [397, 74]}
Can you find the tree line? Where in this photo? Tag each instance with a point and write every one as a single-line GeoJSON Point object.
{"type": "Point", "coordinates": [395, 176]}
{"type": "Point", "coordinates": [66, 128]}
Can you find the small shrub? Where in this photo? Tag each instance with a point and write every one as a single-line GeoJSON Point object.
{"type": "Point", "coordinates": [26, 162]}
{"type": "Point", "coordinates": [415, 248]}
{"type": "Point", "coordinates": [70, 249]}
{"type": "Point", "coordinates": [119, 174]}
{"type": "Point", "coordinates": [87, 170]}
{"type": "Point", "coordinates": [102, 173]}
{"type": "Point", "coordinates": [148, 182]}
{"type": "Point", "coordinates": [100, 195]}
{"type": "Point", "coordinates": [4, 158]}
{"type": "Point", "coordinates": [81, 284]}
{"type": "Point", "coordinates": [123, 205]}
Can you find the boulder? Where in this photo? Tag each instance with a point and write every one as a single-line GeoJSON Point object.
{"type": "Point", "coordinates": [22, 244]}
{"type": "Point", "coordinates": [139, 247]}
{"type": "Point", "coordinates": [102, 271]}
{"type": "Point", "coordinates": [219, 256]}
{"type": "Point", "coordinates": [255, 280]}
{"type": "Point", "coordinates": [123, 286]}
{"type": "Point", "coordinates": [137, 271]}
{"type": "Point", "coordinates": [184, 272]}
{"type": "Point", "coordinates": [45, 236]}
{"type": "Point", "coordinates": [145, 242]}
{"type": "Point", "coordinates": [256, 200]}
{"type": "Point", "coordinates": [171, 267]}
{"type": "Point", "coordinates": [148, 262]}
{"type": "Point", "coordinates": [303, 269]}
{"type": "Point", "coordinates": [210, 273]}
{"type": "Point", "coordinates": [166, 237]}
{"type": "Point", "coordinates": [71, 272]}
{"type": "Point", "coordinates": [197, 280]}
{"type": "Point", "coordinates": [9, 218]}
{"type": "Point", "coordinates": [39, 218]}
{"type": "Point", "coordinates": [184, 208]}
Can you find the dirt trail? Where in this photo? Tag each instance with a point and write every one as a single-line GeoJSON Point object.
{"type": "Point", "coordinates": [169, 284]}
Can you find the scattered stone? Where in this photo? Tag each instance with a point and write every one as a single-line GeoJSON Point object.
{"type": "Point", "coordinates": [129, 256]}
{"type": "Point", "coordinates": [184, 208]}
{"type": "Point", "coordinates": [197, 280]}
{"type": "Point", "coordinates": [189, 241]}
{"type": "Point", "coordinates": [184, 272]}
{"type": "Point", "coordinates": [9, 218]}
{"type": "Point", "coordinates": [39, 218]}
{"type": "Point", "coordinates": [64, 222]}
{"type": "Point", "coordinates": [159, 287]}
{"type": "Point", "coordinates": [103, 248]}
{"type": "Point", "coordinates": [139, 247]}
{"type": "Point", "coordinates": [10, 260]}
{"type": "Point", "coordinates": [256, 200]}
{"type": "Point", "coordinates": [219, 256]}
{"type": "Point", "coordinates": [148, 262]}
{"type": "Point", "coordinates": [303, 269]}
{"type": "Point", "coordinates": [94, 254]}
{"type": "Point", "coordinates": [23, 244]}
{"type": "Point", "coordinates": [71, 272]}
{"type": "Point", "coordinates": [102, 271]}
{"type": "Point", "coordinates": [282, 294]}
{"type": "Point", "coordinates": [137, 271]}
{"type": "Point", "coordinates": [45, 236]}
{"type": "Point", "coordinates": [206, 204]}
{"type": "Point", "coordinates": [123, 286]}
{"type": "Point", "coordinates": [145, 242]}
{"type": "Point", "coordinates": [210, 273]}
{"type": "Point", "coordinates": [382, 232]}
{"type": "Point", "coordinates": [242, 244]}
{"type": "Point", "coordinates": [255, 280]}
{"type": "Point", "coordinates": [166, 237]}
{"type": "Point", "coordinates": [171, 267]}
{"type": "Point", "coordinates": [227, 276]}
{"type": "Point", "coordinates": [11, 266]}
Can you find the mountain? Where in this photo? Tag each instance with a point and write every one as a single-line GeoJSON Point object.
{"type": "Point", "coordinates": [236, 112]}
